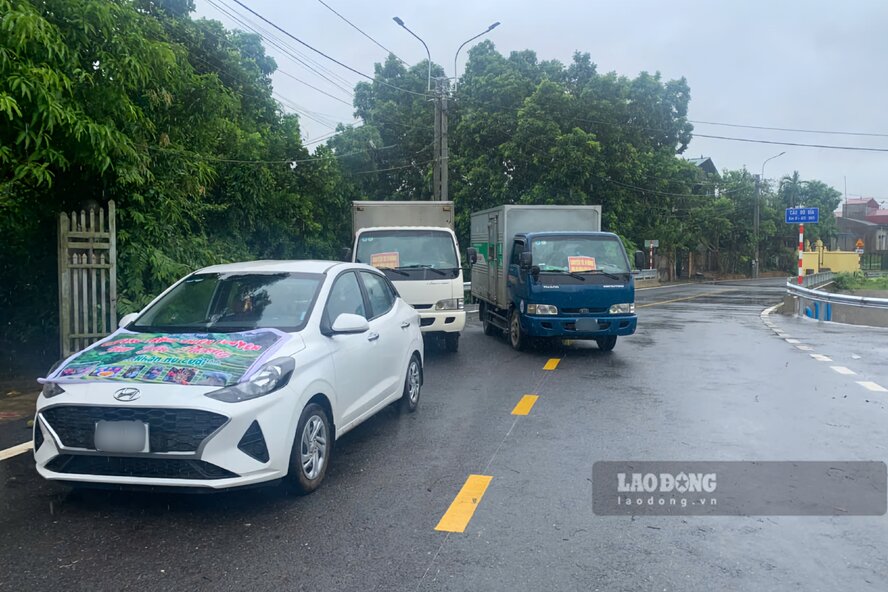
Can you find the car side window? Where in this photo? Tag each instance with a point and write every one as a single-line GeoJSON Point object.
{"type": "Point", "coordinates": [345, 297]}
{"type": "Point", "coordinates": [378, 293]}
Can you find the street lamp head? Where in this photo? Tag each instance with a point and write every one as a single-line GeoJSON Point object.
{"type": "Point", "coordinates": [398, 20]}
{"type": "Point", "coordinates": [493, 26]}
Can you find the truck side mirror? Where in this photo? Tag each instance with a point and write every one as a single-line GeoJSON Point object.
{"type": "Point", "coordinates": [640, 262]}
{"type": "Point", "coordinates": [346, 254]}
{"type": "Point", "coordinates": [472, 254]}
{"type": "Point", "coordinates": [525, 260]}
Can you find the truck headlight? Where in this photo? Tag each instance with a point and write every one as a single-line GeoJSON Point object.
{"type": "Point", "coordinates": [271, 377]}
{"type": "Point", "coordinates": [628, 308]}
{"type": "Point", "coordinates": [542, 309]}
{"type": "Point", "coordinates": [449, 304]}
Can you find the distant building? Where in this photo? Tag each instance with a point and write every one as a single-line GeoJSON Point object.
{"type": "Point", "coordinates": [863, 219]}
{"type": "Point", "coordinates": [705, 164]}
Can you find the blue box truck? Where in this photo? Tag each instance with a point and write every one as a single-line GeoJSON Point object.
{"type": "Point", "coordinates": [549, 272]}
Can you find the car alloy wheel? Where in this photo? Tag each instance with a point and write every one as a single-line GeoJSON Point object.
{"type": "Point", "coordinates": [313, 450]}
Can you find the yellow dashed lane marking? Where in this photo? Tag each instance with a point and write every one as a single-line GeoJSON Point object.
{"type": "Point", "coordinates": [525, 405]}
{"type": "Point", "coordinates": [552, 364]}
{"type": "Point", "coordinates": [457, 516]}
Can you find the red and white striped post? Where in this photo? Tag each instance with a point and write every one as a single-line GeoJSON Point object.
{"type": "Point", "coordinates": [801, 251]}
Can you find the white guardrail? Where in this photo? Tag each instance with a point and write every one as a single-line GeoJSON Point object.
{"type": "Point", "coordinates": [823, 278]}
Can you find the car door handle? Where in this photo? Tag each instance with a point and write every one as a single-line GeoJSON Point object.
{"type": "Point", "coordinates": [373, 337]}
{"type": "Point", "coordinates": [405, 324]}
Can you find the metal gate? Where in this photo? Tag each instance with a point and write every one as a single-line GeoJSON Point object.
{"type": "Point", "coordinates": [87, 277]}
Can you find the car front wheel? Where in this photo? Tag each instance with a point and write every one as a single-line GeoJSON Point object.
{"type": "Point", "coordinates": [412, 386]}
{"type": "Point", "coordinates": [311, 452]}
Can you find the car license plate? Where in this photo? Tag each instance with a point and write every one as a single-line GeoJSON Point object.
{"type": "Point", "coordinates": [587, 325]}
{"type": "Point", "coordinates": [121, 436]}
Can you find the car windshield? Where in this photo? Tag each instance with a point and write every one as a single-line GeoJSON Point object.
{"type": "Point", "coordinates": [406, 249]}
{"type": "Point", "coordinates": [211, 302]}
{"type": "Point", "coordinates": [577, 254]}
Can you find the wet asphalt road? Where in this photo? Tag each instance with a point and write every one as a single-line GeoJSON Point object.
{"type": "Point", "coordinates": [703, 379]}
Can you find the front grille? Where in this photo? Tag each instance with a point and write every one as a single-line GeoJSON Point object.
{"type": "Point", "coordinates": [123, 466]}
{"type": "Point", "coordinates": [169, 430]}
{"type": "Point", "coordinates": [253, 443]}
{"type": "Point", "coordinates": [582, 311]}
{"type": "Point", "coordinates": [423, 306]}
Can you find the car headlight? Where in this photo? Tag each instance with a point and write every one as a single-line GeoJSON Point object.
{"type": "Point", "coordinates": [271, 377]}
{"type": "Point", "coordinates": [449, 304]}
{"type": "Point", "coordinates": [542, 309]}
{"type": "Point", "coordinates": [51, 389]}
{"type": "Point", "coordinates": [628, 308]}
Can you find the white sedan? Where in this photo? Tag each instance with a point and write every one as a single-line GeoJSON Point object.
{"type": "Point", "coordinates": [237, 374]}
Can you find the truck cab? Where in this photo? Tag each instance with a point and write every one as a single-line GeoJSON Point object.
{"type": "Point", "coordinates": [424, 265]}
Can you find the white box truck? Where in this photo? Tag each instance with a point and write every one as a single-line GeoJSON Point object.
{"type": "Point", "coordinates": [413, 243]}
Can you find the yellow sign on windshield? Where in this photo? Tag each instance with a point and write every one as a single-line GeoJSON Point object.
{"type": "Point", "coordinates": [575, 264]}
{"type": "Point", "coordinates": [390, 260]}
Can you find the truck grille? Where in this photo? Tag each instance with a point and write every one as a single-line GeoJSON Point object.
{"type": "Point", "coordinates": [169, 430]}
{"type": "Point", "coordinates": [583, 310]}
{"type": "Point", "coordinates": [124, 466]}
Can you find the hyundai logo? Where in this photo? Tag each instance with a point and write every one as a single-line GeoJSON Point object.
{"type": "Point", "coordinates": [127, 394]}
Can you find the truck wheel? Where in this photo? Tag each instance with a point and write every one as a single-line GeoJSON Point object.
{"type": "Point", "coordinates": [451, 342]}
{"type": "Point", "coordinates": [489, 328]}
{"type": "Point", "coordinates": [606, 343]}
{"type": "Point", "coordinates": [516, 335]}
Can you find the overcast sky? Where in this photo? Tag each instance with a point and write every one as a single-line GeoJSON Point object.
{"type": "Point", "coordinates": [811, 64]}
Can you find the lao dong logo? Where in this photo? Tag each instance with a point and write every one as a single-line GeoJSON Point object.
{"type": "Point", "coordinates": [666, 482]}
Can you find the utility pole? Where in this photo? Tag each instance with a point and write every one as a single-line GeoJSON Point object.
{"type": "Point", "coordinates": [436, 166]}
{"type": "Point", "coordinates": [755, 226]}
{"type": "Point", "coordinates": [445, 151]}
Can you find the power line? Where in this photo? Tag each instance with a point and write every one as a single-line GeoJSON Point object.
{"type": "Point", "coordinates": [826, 146]}
{"type": "Point", "coordinates": [281, 46]}
{"type": "Point", "coordinates": [383, 47]}
{"type": "Point", "coordinates": [789, 129]}
{"type": "Point", "coordinates": [323, 92]}
{"type": "Point", "coordinates": [750, 140]}
{"type": "Point", "coordinates": [319, 52]}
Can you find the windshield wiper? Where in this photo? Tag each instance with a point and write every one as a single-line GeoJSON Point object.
{"type": "Point", "coordinates": [395, 270]}
{"type": "Point", "coordinates": [429, 267]}
{"type": "Point", "coordinates": [602, 272]}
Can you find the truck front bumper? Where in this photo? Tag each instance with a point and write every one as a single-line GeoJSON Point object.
{"type": "Point", "coordinates": [442, 321]}
{"type": "Point", "coordinates": [580, 327]}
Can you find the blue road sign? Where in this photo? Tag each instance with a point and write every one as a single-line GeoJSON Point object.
{"type": "Point", "coordinates": [802, 215]}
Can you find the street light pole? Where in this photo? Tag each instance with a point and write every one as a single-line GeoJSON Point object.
{"type": "Point", "coordinates": [440, 179]}
{"type": "Point", "coordinates": [456, 57]}
{"type": "Point", "coordinates": [428, 53]}
{"type": "Point", "coordinates": [758, 195]}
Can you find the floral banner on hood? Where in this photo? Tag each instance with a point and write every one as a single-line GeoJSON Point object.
{"type": "Point", "coordinates": [208, 359]}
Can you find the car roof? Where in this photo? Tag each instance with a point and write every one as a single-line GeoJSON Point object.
{"type": "Point", "coordinates": [276, 266]}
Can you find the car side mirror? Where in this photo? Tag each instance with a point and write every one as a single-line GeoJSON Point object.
{"type": "Point", "coordinates": [127, 319]}
{"type": "Point", "coordinates": [472, 255]}
{"type": "Point", "coordinates": [347, 323]}
{"type": "Point", "coordinates": [640, 262]}
{"type": "Point", "coordinates": [346, 254]}
{"type": "Point", "coordinates": [525, 260]}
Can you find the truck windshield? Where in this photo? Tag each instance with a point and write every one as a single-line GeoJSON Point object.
{"type": "Point", "coordinates": [211, 302]}
{"type": "Point", "coordinates": [578, 254]}
{"type": "Point", "coordinates": [407, 249]}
